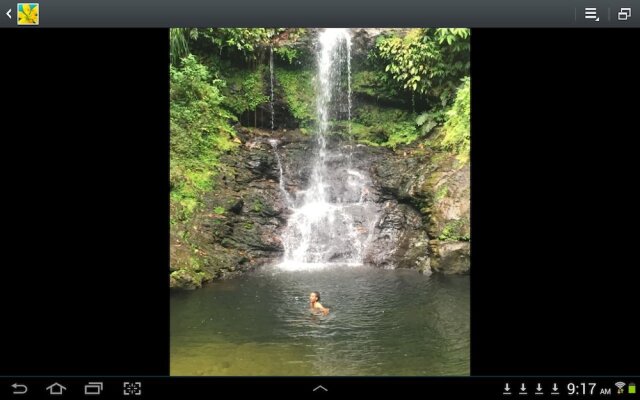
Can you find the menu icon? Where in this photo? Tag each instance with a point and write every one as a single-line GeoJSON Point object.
{"type": "Point", "coordinates": [591, 13]}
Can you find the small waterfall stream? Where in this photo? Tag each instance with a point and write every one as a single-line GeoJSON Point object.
{"type": "Point", "coordinates": [271, 87]}
{"type": "Point", "coordinates": [283, 191]}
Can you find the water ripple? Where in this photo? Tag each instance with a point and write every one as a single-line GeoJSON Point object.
{"type": "Point", "coordinates": [382, 322]}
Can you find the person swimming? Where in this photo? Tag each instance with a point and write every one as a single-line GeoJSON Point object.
{"type": "Point", "coordinates": [314, 301]}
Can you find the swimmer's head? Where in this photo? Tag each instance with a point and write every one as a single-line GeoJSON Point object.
{"type": "Point", "coordinates": [314, 296]}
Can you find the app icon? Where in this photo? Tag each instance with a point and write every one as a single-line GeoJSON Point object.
{"type": "Point", "coordinates": [28, 13]}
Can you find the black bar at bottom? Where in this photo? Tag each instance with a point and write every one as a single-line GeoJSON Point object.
{"type": "Point", "coordinates": [441, 387]}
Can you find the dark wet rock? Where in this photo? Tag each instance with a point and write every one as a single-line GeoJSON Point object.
{"type": "Point", "coordinates": [420, 197]}
{"type": "Point", "coordinates": [236, 206]}
{"type": "Point", "coordinates": [263, 163]}
{"type": "Point", "coordinates": [400, 240]}
{"type": "Point", "coordinates": [436, 186]}
{"type": "Point", "coordinates": [240, 224]}
{"type": "Point", "coordinates": [184, 279]}
{"type": "Point", "coordinates": [453, 258]}
{"type": "Point", "coordinates": [363, 40]}
{"type": "Point", "coordinates": [282, 117]}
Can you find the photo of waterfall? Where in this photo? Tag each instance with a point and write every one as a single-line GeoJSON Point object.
{"type": "Point", "coordinates": [320, 201]}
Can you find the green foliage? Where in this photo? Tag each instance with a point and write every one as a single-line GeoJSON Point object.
{"type": "Point", "coordinates": [299, 93]}
{"type": "Point", "coordinates": [286, 53]}
{"type": "Point", "coordinates": [383, 116]}
{"type": "Point", "coordinates": [422, 68]}
{"type": "Point", "coordinates": [219, 210]}
{"type": "Point", "coordinates": [381, 126]}
{"type": "Point", "coordinates": [178, 46]}
{"type": "Point", "coordinates": [458, 126]}
{"type": "Point", "coordinates": [257, 206]}
{"type": "Point", "coordinates": [441, 192]}
{"type": "Point", "coordinates": [198, 123]}
{"type": "Point", "coordinates": [286, 46]}
{"type": "Point", "coordinates": [429, 120]}
{"type": "Point", "coordinates": [374, 83]}
{"type": "Point", "coordinates": [245, 89]}
{"type": "Point", "coordinates": [405, 133]}
{"type": "Point", "coordinates": [251, 43]}
{"type": "Point", "coordinates": [200, 130]}
{"type": "Point", "coordinates": [454, 230]}
{"type": "Point", "coordinates": [242, 40]}
{"type": "Point", "coordinates": [426, 61]}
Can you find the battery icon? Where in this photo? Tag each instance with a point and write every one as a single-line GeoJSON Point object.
{"type": "Point", "coordinates": [632, 388]}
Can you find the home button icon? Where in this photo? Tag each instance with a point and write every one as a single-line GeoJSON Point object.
{"type": "Point", "coordinates": [56, 389]}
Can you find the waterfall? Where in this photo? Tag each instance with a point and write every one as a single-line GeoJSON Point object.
{"type": "Point", "coordinates": [332, 220]}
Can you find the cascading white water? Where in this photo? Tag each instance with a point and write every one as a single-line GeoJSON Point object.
{"type": "Point", "coordinates": [283, 191]}
{"type": "Point", "coordinates": [332, 220]}
{"type": "Point", "coordinates": [349, 83]}
{"type": "Point", "coordinates": [271, 80]}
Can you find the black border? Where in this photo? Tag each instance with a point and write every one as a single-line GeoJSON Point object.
{"type": "Point", "coordinates": [86, 201]}
{"type": "Point", "coordinates": [552, 221]}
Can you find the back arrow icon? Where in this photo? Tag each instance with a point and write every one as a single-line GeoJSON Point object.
{"type": "Point", "coordinates": [9, 13]}
{"type": "Point", "coordinates": [23, 388]}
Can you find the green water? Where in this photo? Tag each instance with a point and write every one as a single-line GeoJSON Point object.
{"type": "Point", "coordinates": [382, 322]}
